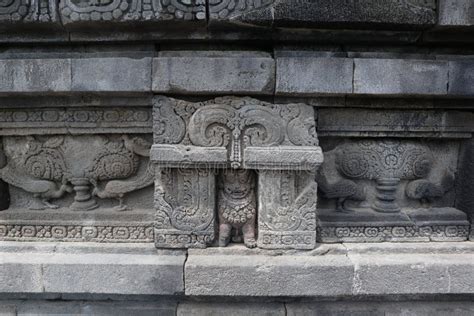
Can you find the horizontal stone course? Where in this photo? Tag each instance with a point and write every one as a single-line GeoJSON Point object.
{"type": "Point", "coordinates": [250, 73]}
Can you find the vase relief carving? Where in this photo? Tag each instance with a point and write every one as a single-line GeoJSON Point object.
{"type": "Point", "coordinates": [53, 167]}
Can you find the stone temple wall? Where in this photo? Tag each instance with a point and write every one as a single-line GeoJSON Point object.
{"type": "Point", "coordinates": [232, 157]}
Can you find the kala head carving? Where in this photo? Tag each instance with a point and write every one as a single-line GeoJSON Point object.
{"type": "Point", "coordinates": [237, 206]}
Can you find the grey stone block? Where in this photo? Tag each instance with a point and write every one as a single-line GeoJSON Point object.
{"type": "Point", "coordinates": [410, 269]}
{"type": "Point", "coordinates": [231, 309]}
{"type": "Point", "coordinates": [388, 14]}
{"type": "Point", "coordinates": [41, 308]}
{"type": "Point", "coordinates": [241, 273]}
{"type": "Point", "coordinates": [400, 77]}
{"type": "Point", "coordinates": [114, 274]}
{"type": "Point", "coordinates": [111, 74]}
{"type": "Point", "coordinates": [314, 76]}
{"type": "Point", "coordinates": [161, 308]}
{"type": "Point", "coordinates": [35, 75]}
{"type": "Point", "coordinates": [395, 122]}
{"type": "Point", "coordinates": [372, 308]}
{"type": "Point", "coordinates": [216, 75]}
{"type": "Point", "coordinates": [456, 13]}
{"type": "Point", "coordinates": [7, 309]}
{"type": "Point", "coordinates": [20, 274]}
{"type": "Point", "coordinates": [461, 77]}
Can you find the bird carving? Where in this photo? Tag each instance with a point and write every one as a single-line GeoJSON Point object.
{"type": "Point", "coordinates": [426, 191]}
{"type": "Point", "coordinates": [117, 189]}
{"type": "Point", "coordinates": [43, 190]}
{"type": "Point", "coordinates": [341, 190]}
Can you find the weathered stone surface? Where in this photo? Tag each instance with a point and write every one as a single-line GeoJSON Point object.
{"type": "Point", "coordinates": [387, 13]}
{"type": "Point", "coordinates": [400, 77]}
{"type": "Point", "coordinates": [161, 307]}
{"type": "Point", "coordinates": [77, 13]}
{"type": "Point", "coordinates": [310, 76]}
{"type": "Point", "coordinates": [231, 309]}
{"type": "Point", "coordinates": [196, 141]}
{"type": "Point", "coordinates": [32, 13]}
{"type": "Point", "coordinates": [216, 74]}
{"type": "Point", "coordinates": [456, 13]}
{"type": "Point", "coordinates": [234, 272]}
{"type": "Point", "coordinates": [461, 76]}
{"type": "Point", "coordinates": [78, 269]}
{"type": "Point", "coordinates": [339, 308]}
{"type": "Point", "coordinates": [111, 74]}
{"type": "Point", "coordinates": [395, 122]}
{"type": "Point", "coordinates": [35, 75]}
{"type": "Point", "coordinates": [465, 183]}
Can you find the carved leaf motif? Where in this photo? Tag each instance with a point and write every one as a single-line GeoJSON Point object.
{"type": "Point", "coordinates": [114, 162]}
{"type": "Point", "coordinates": [168, 126]}
{"type": "Point", "coordinates": [44, 160]}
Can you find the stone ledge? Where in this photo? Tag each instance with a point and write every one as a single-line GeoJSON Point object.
{"type": "Point", "coordinates": [247, 73]}
{"type": "Point", "coordinates": [333, 270]}
{"type": "Point", "coordinates": [138, 269]}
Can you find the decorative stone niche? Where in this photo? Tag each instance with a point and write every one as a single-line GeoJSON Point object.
{"type": "Point", "coordinates": [235, 169]}
{"type": "Point", "coordinates": [394, 189]}
{"type": "Point", "coordinates": [76, 188]}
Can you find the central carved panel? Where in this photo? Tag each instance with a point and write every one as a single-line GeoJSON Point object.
{"type": "Point", "coordinates": [232, 150]}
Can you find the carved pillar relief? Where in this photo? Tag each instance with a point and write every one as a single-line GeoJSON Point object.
{"type": "Point", "coordinates": [236, 140]}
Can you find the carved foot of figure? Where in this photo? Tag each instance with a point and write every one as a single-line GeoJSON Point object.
{"type": "Point", "coordinates": [250, 242]}
{"type": "Point", "coordinates": [49, 205]}
{"type": "Point", "coordinates": [344, 210]}
{"type": "Point", "coordinates": [121, 208]}
{"type": "Point", "coordinates": [39, 205]}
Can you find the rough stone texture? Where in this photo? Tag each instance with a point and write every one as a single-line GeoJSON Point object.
{"type": "Point", "coordinates": [456, 13]}
{"type": "Point", "coordinates": [461, 76]}
{"type": "Point", "coordinates": [99, 270]}
{"type": "Point", "coordinates": [463, 308]}
{"type": "Point", "coordinates": [328, 271]}
{"type": "Point", "coordinates": [395, 122]}
{"type": "Point", "coordinates": [223, 74]}
{"type": "Point", "coordinates": [306, 76]}
{"type": "Point", "coordinates": [398, 76]}
{"type": "Point", "coordinates": [35, 75]}
{"type": "Point", "coordinates": [111, 74]}
{"type": "Point", "coordinates": [465, 183]}
{"type": "Point", "coordinates": [386, 14]}
{"type": "Point", "coordinates": [234, 272]}
{"type": "Point", "coordinates": [185, 194]}
{"type": "Point", "coordinates": [231, 309]}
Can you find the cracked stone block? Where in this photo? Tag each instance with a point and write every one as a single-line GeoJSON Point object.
{"type": "Point", "coordinates": [400, 77]}
{"type": "Point", "coordinates": [239, 272]}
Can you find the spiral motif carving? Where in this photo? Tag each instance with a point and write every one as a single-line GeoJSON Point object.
{"type": "Point", "coordinates": [116, 163]}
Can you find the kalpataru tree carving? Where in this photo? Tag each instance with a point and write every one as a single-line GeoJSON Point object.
{"type": "Point", "coordinates": [193, 141]}
{"type": "Point", "coordinates": [51, 167]}
{"type": "Point", "coordinates": [398, 186]}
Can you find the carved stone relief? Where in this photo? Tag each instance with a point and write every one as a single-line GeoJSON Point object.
{"type": "Point", "coordinates": [28, 11]}
{"type": "Point", "coordinates": [73, 11]}
{"type": "Point", "coordinates": [231, 8]}
{"type": "Point", "coordinates": [397, 189]}
{"type": "Point", "coordinates": [232, 137]}
{"type": "Point", "coordinates": [51, 167]}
